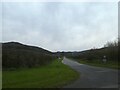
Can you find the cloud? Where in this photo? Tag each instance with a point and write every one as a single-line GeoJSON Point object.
{"type": "Point", "coordinates": [59, 26]}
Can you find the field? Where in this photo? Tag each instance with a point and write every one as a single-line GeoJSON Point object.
{"type": "Point", "coordinates": [53, 75]}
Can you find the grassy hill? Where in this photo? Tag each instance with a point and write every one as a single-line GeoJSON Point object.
{"type": "Point", "coordinates": [19, 46]}
{"type": "Point", "coordinates": [16, 55]}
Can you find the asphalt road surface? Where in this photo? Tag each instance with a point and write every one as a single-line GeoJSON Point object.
{"type": "Point", "coordinates": [92, 77]}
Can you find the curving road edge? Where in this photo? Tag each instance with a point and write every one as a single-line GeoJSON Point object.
{"type": "Point", "coordinates": [92, 77]}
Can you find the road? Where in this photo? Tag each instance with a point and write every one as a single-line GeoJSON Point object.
{"type": "Point", "coordinates": [92, 77]}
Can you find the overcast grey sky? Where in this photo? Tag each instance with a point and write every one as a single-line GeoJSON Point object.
{"type": "Point", "coordinates": [60, 26]}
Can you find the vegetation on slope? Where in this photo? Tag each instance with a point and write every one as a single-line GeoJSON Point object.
{"type": "Point", "coordinates": [16, 55]}
{"type": "Point", "coordinates": [95, 56]}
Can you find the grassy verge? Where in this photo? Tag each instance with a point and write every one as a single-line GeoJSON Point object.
{"type": "Point", "coordinates": [51, 76]}
{"type": "Point", "coordinates": [0, 79]}
{"type": "Point", "coordinates": [108, 64]}
{"type": "Point", "coordinates": [99, 63]}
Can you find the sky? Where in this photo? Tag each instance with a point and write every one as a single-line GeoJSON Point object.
{"type": "Point", "coordinates": [60, 26]}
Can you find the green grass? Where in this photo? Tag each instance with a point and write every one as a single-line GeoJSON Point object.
{"type": "Point", "coordinates": [0, 79]}
{"type": "Point", "coordinates": [53, 75]}
{"type": "Point", "coordinates": [98, 63]}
